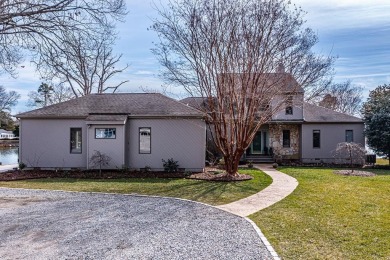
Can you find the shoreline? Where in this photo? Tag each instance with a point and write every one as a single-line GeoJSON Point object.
{"type": "Point", "coordinates": [9, 143]}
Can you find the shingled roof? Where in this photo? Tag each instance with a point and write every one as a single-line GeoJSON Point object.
{"type": "Point", "coordinates": [311, 113]}
{"type": "Point", "coordinates": [317, 114]}
{"type": "Point", "coordinates": [133, 104]}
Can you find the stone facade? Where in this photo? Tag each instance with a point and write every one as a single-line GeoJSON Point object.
{"type": "Point", "coordinates": [276, 141]}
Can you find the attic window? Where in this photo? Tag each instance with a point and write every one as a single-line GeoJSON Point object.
{"type": "Point", "coordinates": [289, 110]}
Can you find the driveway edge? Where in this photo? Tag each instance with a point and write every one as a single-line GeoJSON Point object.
{"type": "Point", "coordinates": [265, 241]}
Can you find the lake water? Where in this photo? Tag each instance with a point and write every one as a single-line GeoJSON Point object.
{"type": "Point", "coordinates": [9, 155]}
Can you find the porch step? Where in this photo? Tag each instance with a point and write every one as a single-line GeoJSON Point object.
{"type": "Point", "coordinates": [260, 159]}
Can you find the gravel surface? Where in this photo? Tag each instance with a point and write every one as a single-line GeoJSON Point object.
{"type": "Point", "coordinates": [68, 225]}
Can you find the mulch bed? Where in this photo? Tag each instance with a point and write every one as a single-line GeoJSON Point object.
{"type": "Point", "coordinates": [354, 173]}
{"type": "Point", "coordinates": [39, 174]}
{"type": "Point", "coordinates": [211, 174]}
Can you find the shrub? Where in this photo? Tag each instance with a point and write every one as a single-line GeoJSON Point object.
{"type": "Point", "coordinates": [275, 165]}
{"type": "Point", "coordinates": [22, 165]}
{"type": "Point", "coordinates": [170, 165]}
{"type": "Point", "coordinates": [100, 160]}
{"type": "Point", "coordinates": [250, 164]}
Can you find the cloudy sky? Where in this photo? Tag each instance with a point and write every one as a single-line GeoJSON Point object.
{"type": "Point", "coordinates": [357, 31]}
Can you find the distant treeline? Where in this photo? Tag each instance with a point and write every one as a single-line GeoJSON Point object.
{"type": "Point", "coordinates": [9, 142]}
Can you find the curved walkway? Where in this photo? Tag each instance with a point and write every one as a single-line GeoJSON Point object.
{"type": "Point", "coordinates": [282, 185]}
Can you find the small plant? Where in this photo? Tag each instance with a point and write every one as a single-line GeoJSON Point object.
{"type": "Point", "coordinates": [275, 165]}
{"type": "Point", "coordinates": [124, 168]}
{"type": "Point", "coordinates": [170, 165]}
{"type": "Point", "coordinates": [100, 160]}
{"type": "Point", "coordinates": [187, 173]}
{"type": "Point", "coordinates": [147, 168]}
{"type": "Point", "coordinates": [22, 165]}
{"type": "Point", "coordinates": [353, 153]}
{"type": "Point", "coordinates": [221, 164]}
{"type": "Point", "coordinates": [250, 164]}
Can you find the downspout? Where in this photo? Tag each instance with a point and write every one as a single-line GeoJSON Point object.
{"type": "Point", "coordinates": [20, 141]}
{"type": "Point", "coordinates": [88, 126]}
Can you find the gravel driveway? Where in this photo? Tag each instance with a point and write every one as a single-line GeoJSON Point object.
{"type": "Point", "coordinates": [69, 225]}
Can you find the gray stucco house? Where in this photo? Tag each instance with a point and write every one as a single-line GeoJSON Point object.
{"type": "Point", "coordinates": [135, 130]}
{"type": "Point", "coordinates": [299, 131]}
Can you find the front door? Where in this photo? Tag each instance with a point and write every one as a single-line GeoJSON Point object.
{"type": "Point", "coordinates": [259, 143]}
{"type": "Point", "coordinates": [256, 144]}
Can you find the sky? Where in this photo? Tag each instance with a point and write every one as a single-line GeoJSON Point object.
{"type": "Point", "coordinates": [356, 31]}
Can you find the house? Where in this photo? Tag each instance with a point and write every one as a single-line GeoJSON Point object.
{"type": "Point", "coordinates": [298, 131]}
{"type": "Point", "coordinates": [4, 134]}
{"type": "Point", "coordinates": [135, 130]}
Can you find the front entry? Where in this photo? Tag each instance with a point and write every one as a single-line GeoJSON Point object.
{"type": "Point", "coordinates": [259, 144]}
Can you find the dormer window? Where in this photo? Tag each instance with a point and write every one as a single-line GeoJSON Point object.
{"type": "Point", "coordinates": [289, 110]}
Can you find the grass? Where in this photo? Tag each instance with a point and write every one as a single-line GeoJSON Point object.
{"type": "Point", "coordinates": [214, 193]}
{"type": "Point", "coordinates": [382, 161]}
{"type": "Point", "coordinates": [330, 216]}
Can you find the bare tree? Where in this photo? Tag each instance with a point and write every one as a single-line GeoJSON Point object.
{"type": "Point", "coordinates": [38, 25]}
{"type": "Point", "coordinates": [354, 153]}
{"type": "Point", "coordinates": [343, 97]}
{"type": "Point", "coordinates": [99, 160]}
{"type": "Point", "coordinates": [49, 94]}
{"type": "Point", "coordinates": [86, 65]}
{"type": "Point", "coordinates": [241, 57]}
{"type": "Point", "coordinates": [8, 99]}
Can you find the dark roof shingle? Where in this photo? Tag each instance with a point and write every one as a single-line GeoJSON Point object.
{"type": "Point", "coordinates": [313, 113]}
{"type": "Point", "coordinates": [136, 104]}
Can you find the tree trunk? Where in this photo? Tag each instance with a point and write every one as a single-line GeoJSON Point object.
{"type": "Point", "coordinates": [232, 162]}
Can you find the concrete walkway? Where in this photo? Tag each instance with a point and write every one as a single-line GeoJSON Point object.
{"type": "Point", "coordinates": [7, 167]}
{"type": "Point", "coordinates": [281, 186]}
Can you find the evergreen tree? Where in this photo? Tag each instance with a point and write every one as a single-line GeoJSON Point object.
{"type": "Point", "coordinates": [376, 113]}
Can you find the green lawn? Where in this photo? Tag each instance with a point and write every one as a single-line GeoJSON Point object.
{"type": "Point", "coordinates": [381, 161]}
{"type": "Point", "coordinates": [330, 216]}
{"type": "Point", "coordinates": [214, 193]}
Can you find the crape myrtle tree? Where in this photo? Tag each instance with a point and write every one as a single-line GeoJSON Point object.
{"type": "Point", "coordinates": [44, 29]}
{"type": "Point", "coordinates": [234, 54]}
{"type": "Point", "coordinates": [376, 112]}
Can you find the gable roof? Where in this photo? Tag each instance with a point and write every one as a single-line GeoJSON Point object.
{"type": "Point", "coordinates": [313, 113]}
{"type": "Point", "coordinates": [133, 104]}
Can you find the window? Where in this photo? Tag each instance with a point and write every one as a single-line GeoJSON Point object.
{"type": "Point", "coordinates": [349, 136]}
{"type": "Point", "coordinates": [289, 110]}
{"type": "Point", "coordinates": [144, 140]}
{"type": "Point", "coordinates": [286, 138]}
{"type": "Point", "coordinates": [316, 138]}
{"type": "Point", "coordinates": [75, 140]}
{"type": "Point", "coordinates": [105, 133]}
